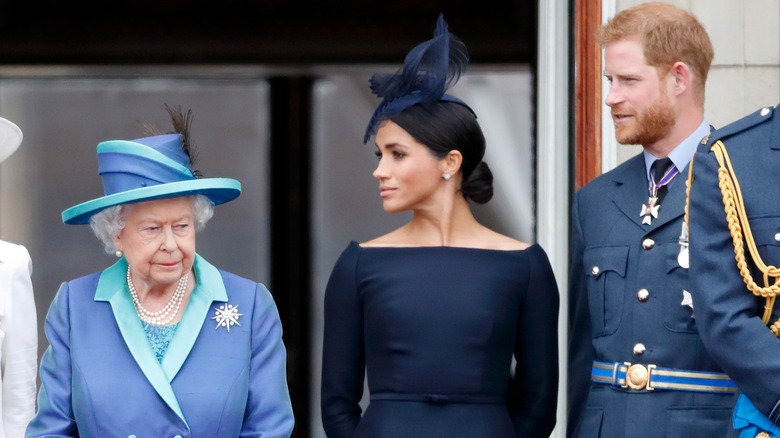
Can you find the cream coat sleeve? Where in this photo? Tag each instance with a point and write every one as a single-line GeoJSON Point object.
{"type": "Point", "coordinates": [18, 341]}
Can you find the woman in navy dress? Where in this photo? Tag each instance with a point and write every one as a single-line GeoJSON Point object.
{"type": "Point", "coordinates": [435, 311]}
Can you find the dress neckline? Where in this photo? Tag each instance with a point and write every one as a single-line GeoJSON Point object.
{"type": "Point", "coordinates": [443, 247]}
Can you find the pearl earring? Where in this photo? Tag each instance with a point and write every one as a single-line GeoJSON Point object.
{"type": "Point", "coordinates": [118, 253]}
{"type": "Point", "coordinates": [446, 176]}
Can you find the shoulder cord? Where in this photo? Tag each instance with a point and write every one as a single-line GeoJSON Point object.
{"type": "Point", "coordinates": [738, 221]}
{"type": "Point", "coordinates": [684, 232]}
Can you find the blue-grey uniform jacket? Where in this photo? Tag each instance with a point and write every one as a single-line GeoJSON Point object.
{"type": "Point", "coordinates": [728, 315]}
{"type": "Point", "coordinates": [626, 305]}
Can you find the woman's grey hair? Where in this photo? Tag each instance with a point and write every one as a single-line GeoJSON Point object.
{"type": "Point", "coordinates": [108, 223]}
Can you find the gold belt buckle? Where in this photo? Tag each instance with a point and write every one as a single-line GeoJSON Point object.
{"type": "Point", "coordinates": [638, 376]}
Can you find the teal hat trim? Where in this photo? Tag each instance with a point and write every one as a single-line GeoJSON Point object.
{"type": "Point", "coordinates": [218, 190]}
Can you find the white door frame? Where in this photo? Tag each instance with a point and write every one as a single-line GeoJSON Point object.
{"type": "Point", "coordinates": [553, 176]}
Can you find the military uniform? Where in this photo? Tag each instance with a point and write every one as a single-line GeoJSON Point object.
{"type": "Point", "coordinates": [729, 316]}
{"type": "Point", "coordinates": [627, 305]}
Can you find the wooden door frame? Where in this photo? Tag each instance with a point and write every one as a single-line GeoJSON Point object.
{"type": "Point", "coordinates": [587, 118]}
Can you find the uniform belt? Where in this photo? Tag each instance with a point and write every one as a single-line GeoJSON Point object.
{"type": "Point", "coordinates": [641, 377]}
{"type": "Point", "coordinates": [440, 398]}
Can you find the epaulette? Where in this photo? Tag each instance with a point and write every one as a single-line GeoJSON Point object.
{"type": "Point", "coordinates": [761, 116]}
{"type": "Point", "coordinates": [736, 211]}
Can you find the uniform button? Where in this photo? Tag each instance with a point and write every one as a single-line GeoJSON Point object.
{"type": "Point", "coordinates": [764, 111]}
{"type": "Point", "coordinates": [642, 295]}
{"type": "Point", "coordinates": [777, 237]}
{"type": "Point", "coordinates": [639, 349]}
{"type": "Point", "coordinates": [177, 436]}
{"type": "Point", "coordinates": [762, 435]}
{"type": "Point", "coordinates": [648, 243]}
{"type": "Point", "coordinates": [595, 270]}
{"type": "Point", "coordinates": [131, 436]}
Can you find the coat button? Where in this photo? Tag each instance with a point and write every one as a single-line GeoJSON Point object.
{"type": "Point", "coordinates": [777, 237]}
{"type": "Point", "coordinates": [595, 270]}
{"type": "Point", "coordinates": [648, 243]}
{"type": "Point", "coordinates": [764, 111]}
{"type": "Point", "coordinates": [639, 349]}
{"type": "Point", "coordinates": [177, 436]}
{"type": "Point", "coordinates": [642, 295]}
{"type": "Point", "coordinates": [131, 436]}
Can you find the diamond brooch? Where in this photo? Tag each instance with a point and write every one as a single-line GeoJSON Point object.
{"type": "Point", "coordinates": [226, 315]}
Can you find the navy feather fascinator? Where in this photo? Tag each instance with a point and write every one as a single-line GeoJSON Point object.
{"type": "Point", "coordinates": [429, 70]}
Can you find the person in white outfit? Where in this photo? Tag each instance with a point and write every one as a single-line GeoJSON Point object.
{"type": "Point", "coordinates": [18, 322]}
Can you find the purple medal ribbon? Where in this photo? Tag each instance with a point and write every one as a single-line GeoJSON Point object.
{"type": "Point", "coordinates": [671, 172]}
{"type": "Point", "coordinates": [651, 209]}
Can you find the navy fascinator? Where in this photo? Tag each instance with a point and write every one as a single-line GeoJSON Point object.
{"type": "Point", "coordinates": [429, 70]}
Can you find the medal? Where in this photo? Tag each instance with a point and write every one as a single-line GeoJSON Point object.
{"type": "Point", "coordinates": [650, 210]}
{"type": "Point", "coordinates": [682, 257]}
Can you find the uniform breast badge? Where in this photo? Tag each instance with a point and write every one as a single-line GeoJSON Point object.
{"type": "Point", "coordinates": [226, 315]}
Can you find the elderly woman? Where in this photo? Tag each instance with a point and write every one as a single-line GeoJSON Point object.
{"type": "Point", "coordinates": [162, 343]}
{"type": "Point", "coordinates": [435, 311]}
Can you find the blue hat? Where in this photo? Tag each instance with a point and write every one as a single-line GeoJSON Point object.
{"type": "Point", "coordinates": [148, 168]}
{"type": "Point", "coordinates": [430, 69]}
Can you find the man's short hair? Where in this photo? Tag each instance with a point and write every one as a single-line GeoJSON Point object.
{"type": "Point", "coordinates": [668, 34]}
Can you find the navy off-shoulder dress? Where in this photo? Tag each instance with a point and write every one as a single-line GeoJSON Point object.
{"type": "Point", "coordinates": [436, 328]}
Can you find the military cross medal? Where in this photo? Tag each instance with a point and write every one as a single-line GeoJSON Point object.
{"type": "Point", "coordinates": [650, 210]}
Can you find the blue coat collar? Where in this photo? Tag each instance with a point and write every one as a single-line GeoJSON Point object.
{"type": "Point", "coordinates": [209, 287]}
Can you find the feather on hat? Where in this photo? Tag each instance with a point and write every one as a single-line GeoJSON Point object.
{"type": "Point", "coordinates": [429, 70]}
{"type": "Point", "coordinates": [148, 168]}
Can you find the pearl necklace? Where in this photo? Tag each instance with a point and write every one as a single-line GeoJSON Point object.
{"type": "Point", "coordinates": [165, 315]}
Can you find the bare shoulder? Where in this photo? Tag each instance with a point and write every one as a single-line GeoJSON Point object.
{"type": "Point", "coordinates": [478, 237]}
{"type": "Point", "coordinates": [494, 240]}
{"type": "Point", "coordinates": [395, 238]}
{"type": "Point", "coordinates": [485, 238]}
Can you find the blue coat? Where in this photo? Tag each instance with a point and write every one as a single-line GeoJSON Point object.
{"type": "Point", "coordinates": [729, 316]}
{"type": "Point", "coordinates": [610, 266]}
{"type": "Point", "coordinates": [100, 377]}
